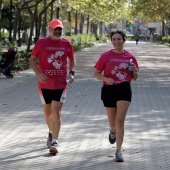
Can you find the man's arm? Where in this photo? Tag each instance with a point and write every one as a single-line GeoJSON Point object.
{"type": "Point", "coordinates": [41, 77]}
{"type": "Point", "coordinates": [72, 64]}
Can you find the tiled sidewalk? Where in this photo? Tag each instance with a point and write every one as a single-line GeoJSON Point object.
{"type": "Point", "coordinates": [83, 139]}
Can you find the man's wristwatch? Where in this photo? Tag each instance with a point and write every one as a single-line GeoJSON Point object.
{"type": "Point", "coordinates": [72, 72]}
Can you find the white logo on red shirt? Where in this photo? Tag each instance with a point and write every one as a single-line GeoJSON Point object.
{"type": "Point", "coordinates": [56, 59]}
{"type": "Point", "coordinates": [119, 71]}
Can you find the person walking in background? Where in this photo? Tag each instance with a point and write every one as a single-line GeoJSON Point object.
{"type": "Point", "coordinates": [52, 53]}
{"type": "Point", "coordinates": [145, 37]}
{"type": "Point", "coordinates": [116, 68]}
{"type": "Point", "coordinates": [136, 37]}
{"type": "Point", "coordinates": [151, 38]}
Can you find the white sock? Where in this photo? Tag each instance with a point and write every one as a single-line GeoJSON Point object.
{"type": "Point", "coordinates": [54, 141]}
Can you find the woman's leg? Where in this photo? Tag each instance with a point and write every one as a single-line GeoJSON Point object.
{"type": "Point", "coordinates": [111, 114]}
{"type": "Point", "coordinates": [122, 108]}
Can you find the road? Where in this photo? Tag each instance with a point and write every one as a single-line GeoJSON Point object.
{"type": "Point", "coordinates": [83, 138]}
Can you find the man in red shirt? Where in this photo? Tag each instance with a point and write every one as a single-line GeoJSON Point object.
{"type": "Point", "coordinates": [52, 53]}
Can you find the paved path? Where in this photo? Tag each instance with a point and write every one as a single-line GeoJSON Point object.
{"type": "Point", "coordinates": [83, 139]}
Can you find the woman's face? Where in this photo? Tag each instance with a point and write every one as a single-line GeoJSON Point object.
{"type": "Point", "coordinates": [117, 42]}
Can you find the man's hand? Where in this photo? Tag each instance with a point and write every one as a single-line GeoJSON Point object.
{"type": "Point", "coordinates": [71, 78]}
{"type": "Point", "coordinates": [41, 78]}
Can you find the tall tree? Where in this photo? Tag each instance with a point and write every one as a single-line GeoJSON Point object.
{"type": "Point", "coordinates": [153, 10]}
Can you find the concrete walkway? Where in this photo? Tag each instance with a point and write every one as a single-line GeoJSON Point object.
{"type": "Point", "coordinates": [83, 138]}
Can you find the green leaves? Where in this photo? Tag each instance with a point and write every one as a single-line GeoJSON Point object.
{"type": "Point", "coordinates": [100, 10]}
{"type": "Point", "coordinates": [152, 9]}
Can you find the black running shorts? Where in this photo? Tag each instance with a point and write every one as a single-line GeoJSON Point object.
{"type": "Point", "coordinates": [47, 95]}
{"type": "Point", "coordinates": [110, 94]}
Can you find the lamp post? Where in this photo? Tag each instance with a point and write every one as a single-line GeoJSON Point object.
{"type": "Point", "coordinates": [1, 10]}
{"type": "Point", "coordinates": [58, 4]}
{"type": "Point", "coordinates": [0, 18]}
{"type": "Point", "coordinates": [10, 22]}
{"type": "Point", "coordinates": [69, 19]}
{"type": "Point", "coordinates": [19, 27]}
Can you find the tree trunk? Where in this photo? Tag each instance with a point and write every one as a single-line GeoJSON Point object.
{"type": "Point", "coordinates": [1, 1]}
{"type": "Point", "coordinates": [88, 18]}
{"type": "Point", "coordinates": [18, 13]}
{"type": "Point", "coordinates": [51, 13]}
{"type": "Point", "coordinates": [101, 30]}
{"type": "Point", "coordinates": [163, 28]}
{"type": "Point", "coordinates": [0, 15]}
{"type": "Point", "coordinates": [94, 30]}
{"type": "Point", "coordinates": [81, 24]}
{"type": "Point", "coordinates": [44, 19]}
{"type": "Point", "coordinates": [31, 29]}
{"type": "Point", "coordinates": [76, 21]}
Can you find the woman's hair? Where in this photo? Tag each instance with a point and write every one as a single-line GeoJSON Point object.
{"type": "Point", "coordinates": [124, 37]}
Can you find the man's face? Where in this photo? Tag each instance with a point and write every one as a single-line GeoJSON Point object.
{"type": "Point", "coordinates": [56, 33]}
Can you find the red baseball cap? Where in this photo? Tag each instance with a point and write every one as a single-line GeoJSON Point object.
{"type": "Point", "coordinates": [55, 23]}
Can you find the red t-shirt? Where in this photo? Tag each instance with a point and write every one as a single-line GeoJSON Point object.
{"type": "Point", "coordinates": [52, 61]}
{"type": "Point", "coordinates": [115, 66]}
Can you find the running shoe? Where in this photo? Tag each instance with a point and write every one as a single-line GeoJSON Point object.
{"type": "Point", "coordinates": [49, 140]}
{"type": "Point", "coordinates": [53, 149]}
{"type": "Point", "coordinates": [119, 156]}
{"type": "Point", "coordinates": [112, 137]}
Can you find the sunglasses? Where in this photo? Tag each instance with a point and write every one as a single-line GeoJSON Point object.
{"type": "Point", "coordinates": [58, 28]}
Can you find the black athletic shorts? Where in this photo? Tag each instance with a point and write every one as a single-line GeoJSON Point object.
{"type": "Point", "coordinates": [110, 94]}
{"type": "Point", "coordinates": [48, 95]}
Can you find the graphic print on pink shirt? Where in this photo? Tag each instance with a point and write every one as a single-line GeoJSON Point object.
{"type": "Point", "coordinates": [120, 71]}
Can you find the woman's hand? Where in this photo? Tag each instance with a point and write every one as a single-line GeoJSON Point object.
{"type": "Point", "coordinates": [132, 68]}
{"type": "Point", "coordinates": [109, 81]}
{"type": "Point", "coordinates": [99, 76]}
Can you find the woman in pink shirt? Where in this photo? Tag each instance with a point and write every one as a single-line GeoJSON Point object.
{"type": "Point", "coordinates": [116, 68]}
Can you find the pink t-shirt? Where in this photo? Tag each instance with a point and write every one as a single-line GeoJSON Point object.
{"type": "Point", "coordinates": [115, 66]}
{"type": "Point", "coordinates": [52, 56]}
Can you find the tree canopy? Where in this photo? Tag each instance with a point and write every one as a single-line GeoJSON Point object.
{"type": "Point", "coordinates": [153, 10]}
{"type": "Point", "coordinates": [23, 14]}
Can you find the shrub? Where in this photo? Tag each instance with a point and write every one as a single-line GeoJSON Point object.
{"type": "Point", "coordinates": [80, 41]}
{"type": "Point", "coordinates": [166, 39]}
{"type": "Point", "coordinates": [21, 61]}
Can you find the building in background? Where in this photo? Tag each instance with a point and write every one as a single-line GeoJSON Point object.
{"type": "Point", "coordinates": [155, 27]}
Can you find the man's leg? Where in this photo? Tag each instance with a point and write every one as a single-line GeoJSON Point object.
{"type": "Point", "coordinates": [56, 124]}
{"type": "Point", "coordinates": [48, 115]}
{"type": "Point", "coordinates": [48, 119]}
{"type": "Point", "coordinates": [56, 118]}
